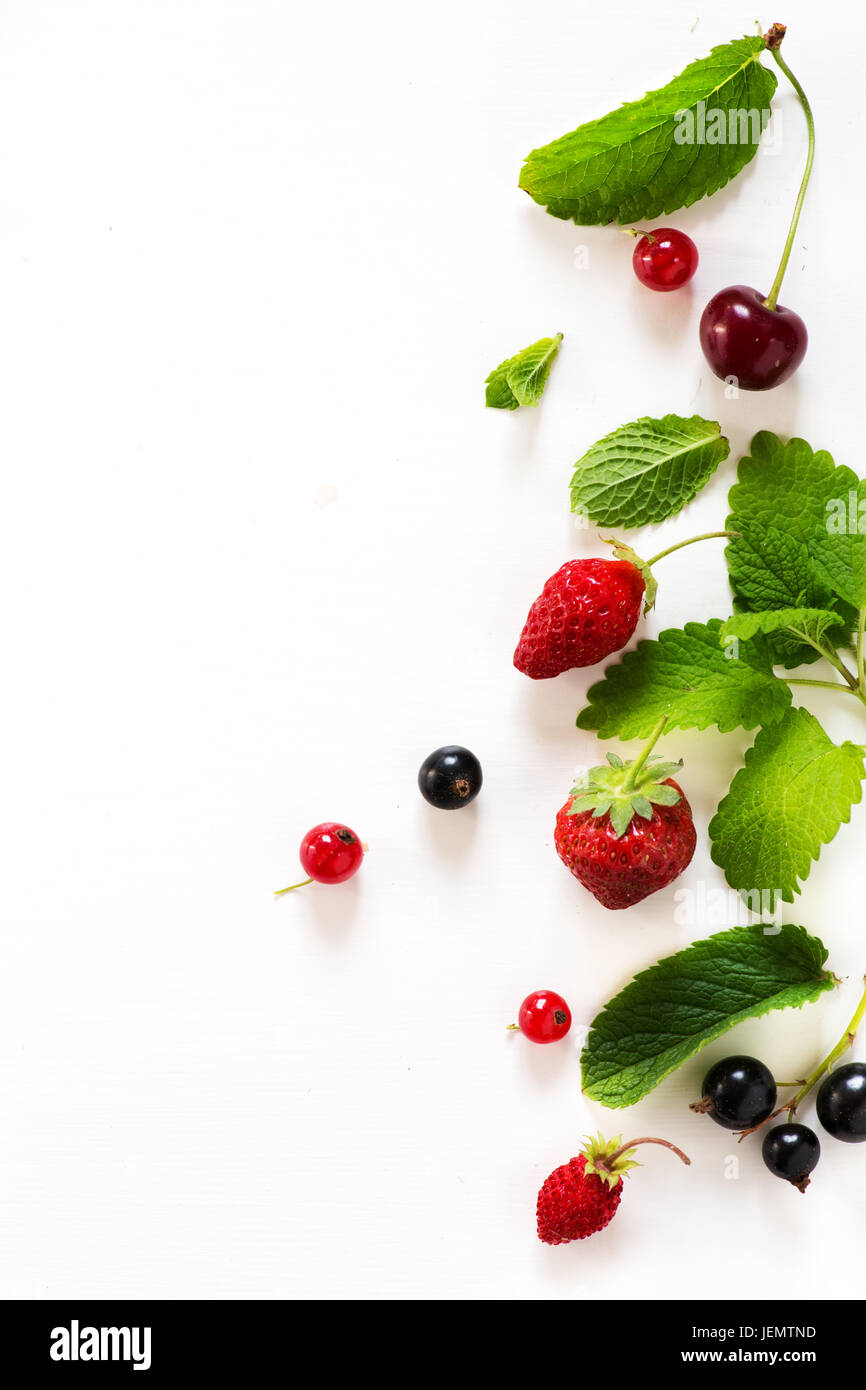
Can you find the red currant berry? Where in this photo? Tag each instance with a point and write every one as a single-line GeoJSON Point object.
{"type": "Point", "coordinates": [746, 341]}
{"type": "Point", "coordinates": [330, 853]}
{"type": "Point", "coordinates": [544, 1017]}
{"type": "Point", "coordinates": [665, 259]}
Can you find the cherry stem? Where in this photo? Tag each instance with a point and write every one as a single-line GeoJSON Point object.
{"type": "Point", "coordinates": [707, 536]}
{"type": "Point", "coordinates": [846, 1041]}
{"type": "Point", "coordinates": [292, 886]}
{"type": "Point", "coordinates": [606, 1163]}
{"type": "Point", "coordinates": [770, 301]}
{"type": "Point", "coordinates": [638, 764]}
{"type": "Point", "coordinates": [512, 1027]}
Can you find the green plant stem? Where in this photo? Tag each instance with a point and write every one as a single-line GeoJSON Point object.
{"type": "Point", "coordinates": [773, 296]}
{"type": "Point", "coordinates": [707, 536]}
{"type": "Point", "coordinates": [835, 661]}
{"type": "Point", "coordinates": [861, 655]}
{"type": "Point", "coordinates": [292, 886]}
{"type": "Point", "coordinates": [842, 1045]}
{"type": "Point", "coordinates": [828, 685]}
{"type": "Point", "coordinates": [638, 764]}
{"type": "Point", "coordinates": [838, 664]}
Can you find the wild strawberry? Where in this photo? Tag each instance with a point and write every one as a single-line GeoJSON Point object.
{"type": "Point", "coordinates": [626, 830]}
{"type": "Point", "coordinates": [582, 1196]}
{"type": "Point", "coordinates": [585, 611]}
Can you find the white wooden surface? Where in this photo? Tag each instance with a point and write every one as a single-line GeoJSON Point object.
{"type": "Point", "coordinates": [262, 549]}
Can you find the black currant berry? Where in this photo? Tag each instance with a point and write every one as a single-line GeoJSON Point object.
{"type": "Point", "coordinates": [841, 1103]}
{"type": "Point", "coordinates": [738, 1092]}
{"type": "Point", "coordinates": [450, 777]}
{"type": "Point", "coordinates": [791, 1152]}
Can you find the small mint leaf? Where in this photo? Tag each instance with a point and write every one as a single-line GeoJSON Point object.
{"type": "Point", "coordinates": [647, 471]}
{"type": "Point", "coordinates": [521, 379]}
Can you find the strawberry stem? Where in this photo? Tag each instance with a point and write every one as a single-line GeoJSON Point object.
{"type": "Point", "coordinates": [707, 536]}
{"type": "Point", "coordinates": [292, 886]}
{"type": "Point", "coordinates": [608, 1162]}
{"type": "Point", "coordinates": [638, 764]}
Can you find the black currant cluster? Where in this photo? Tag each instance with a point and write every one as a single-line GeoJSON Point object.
{"type": "Point", "coordinates": [739, 1093]}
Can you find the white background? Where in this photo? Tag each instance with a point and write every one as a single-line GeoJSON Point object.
{"type": "Point", "coordinates": [253, 251]}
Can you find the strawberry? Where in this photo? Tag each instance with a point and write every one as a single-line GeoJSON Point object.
{"type": "Point", "coordinates": [573, 1203]}
{"type": "Point", "coordinates": [626, 830]}
{"type": "Point", "coordinates": [582, 1196]}
{"type": "Point", "coordinates": [585, 611]}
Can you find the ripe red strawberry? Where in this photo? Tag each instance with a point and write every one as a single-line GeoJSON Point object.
{"type": "Point", "coordinates": [585, 611]}
{"type": "Point", "coordinates": [582, 1196]}
{"type": "Point", "coordinates": [573, 1203]}
{"type": "Point", "coordinates": [626, 830]}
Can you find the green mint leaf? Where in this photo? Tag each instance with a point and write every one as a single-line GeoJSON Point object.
{"type": "Point", "coordinates": [638, 161]}
{"type": "Point", "coordinates": [813, 622]}
{"type": "Point", "coordinates": [499, 394]}
{"type": "Point", "coordinates": [797, 517]}
{"type": "Point", "coordinates": [670, 1011]}
{"type": "Point", "coordinates": [521, 380]}
{"type": "Point", "coordinates": [647, 471]}
{"type": "Point", "coordinates": [794, 791]}
{"type": "Point", "coordinates": [687, 675]}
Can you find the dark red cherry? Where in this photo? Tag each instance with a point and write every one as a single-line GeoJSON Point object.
{"type": "Point", "coordinates": [664, 259]}
{"type": "Point", "coordinates": [745, 340]}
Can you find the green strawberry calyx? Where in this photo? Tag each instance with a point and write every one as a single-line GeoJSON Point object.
{"type": "Point", "coordinates": [609, 1159]}
{"type": "Point", "coordinates": [623, 790]}
{"type": "Point", "coordinates": [625, 552]}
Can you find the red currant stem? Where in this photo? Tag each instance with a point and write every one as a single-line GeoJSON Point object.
{"type": "Point", "coordinates": [607, 1163]}
{"type": "Point", "coordinates": [707, 536]}
{"type": "Point", "coordinates": [770, 301]}
{"type": "Point", "coordinates": [638, 764]}
{"type": "Point", "coordinates": [292, 886]}
{"type": "Point", "coordinates": [512, 1027]}
{"type": "Point", "coordinates": [636, 232]}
